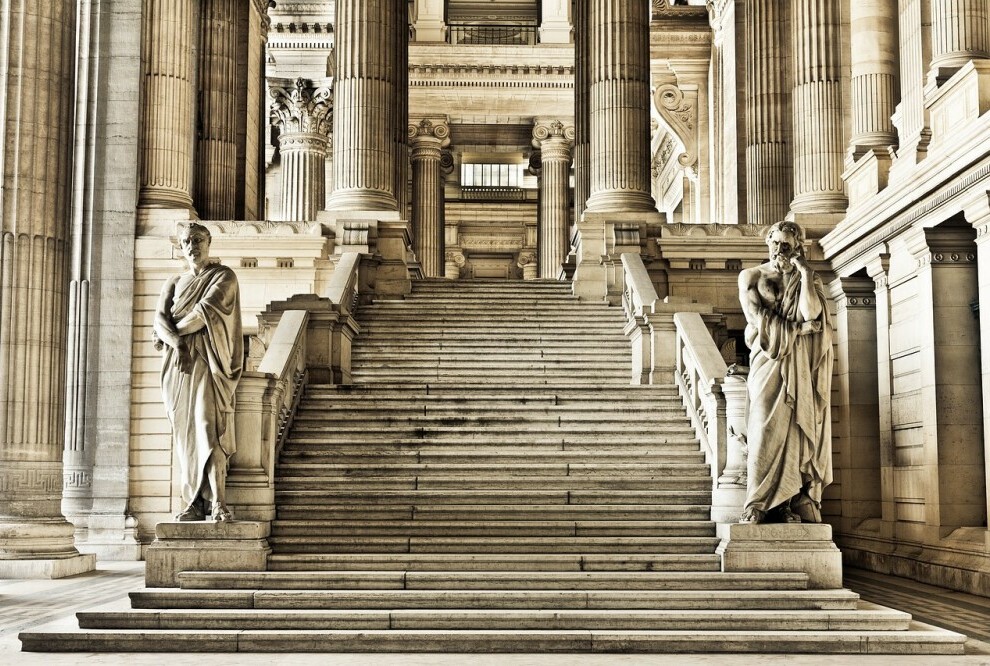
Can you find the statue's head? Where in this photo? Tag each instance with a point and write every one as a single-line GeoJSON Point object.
{"type": "Point", "coordinates": [194, 240]}
{"type": "Point", "coordinates": [785, 240]}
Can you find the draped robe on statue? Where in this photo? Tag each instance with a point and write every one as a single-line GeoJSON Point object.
{"type": "Point", "coordinates": [200, 403]}
{"type": "Point", "coordinates": [789, 431]}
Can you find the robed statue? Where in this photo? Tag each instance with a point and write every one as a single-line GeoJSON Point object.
{"type": "Point", "coordinates": [789, 432]}
{"type": "Point", "coordinates": [198, 329]}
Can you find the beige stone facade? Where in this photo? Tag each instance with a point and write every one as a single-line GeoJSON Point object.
{"type": "Point", "coordinates": [468, 147]}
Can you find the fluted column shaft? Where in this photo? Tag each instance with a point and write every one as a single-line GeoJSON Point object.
{"type": "Point", "coordinates": [38, 53]}
{"type": "Point", "coordinates": [169, 107]}
{"type": "Point", "coordinates": [875, 90]}
{"type": "Point", "coordinates": [426, 143]}
{"type": "Point", "coordinates": [216, 147]}
{"type": "Point", "coordinates": [769, 167]}
{"type": "Point", "coordinates": [582, 120]}
{"type": "Point", "coordinates": [959, 32]}
{"type": "Point", "coordinates": [367, 94]}
{"type": "Point", "coordinates": [818, 146]}
{"type": "Point", "coordinates": [555, 142]}
{"type": "Point", "coordinates": [914, 36]}
{"type": "Point", "coordinates": [619, 87]}
{"type": "Point", "coordinates": [301, 111]}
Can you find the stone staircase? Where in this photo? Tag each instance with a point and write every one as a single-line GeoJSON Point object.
{"type": "Point", "coordinates": [492, 483]}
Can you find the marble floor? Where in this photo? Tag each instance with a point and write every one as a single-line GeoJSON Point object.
{"type": "Point", "coordinates": [25, 604]}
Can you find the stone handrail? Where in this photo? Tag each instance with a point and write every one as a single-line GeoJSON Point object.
{"type": "Point", "coordinates": [266, 404]}
{"type": "Point", "coordinates": [343, 289]}
{"type": "Point", "coordinates": [639, 296]}
{"type": "Point", "coordinates": [716, 402]}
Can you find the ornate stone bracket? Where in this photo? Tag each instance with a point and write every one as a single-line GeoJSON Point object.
{"type": "Point", "coordinates": [679, 109]}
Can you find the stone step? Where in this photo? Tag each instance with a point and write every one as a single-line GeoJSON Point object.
{"type": "Point", "coordinates": [300, 471]}
{"type": "Point", "coordinates": [495, 375]}
{"type": "Point", "coordinates": [315, 411]}
{"type": "Point", "coordinates": [866, 617]}
{"type": "Point", "coordinates": [569, 390]}
{"type": "Point", "coordinates": [491, 580]}
{"type": "Point", "coordinates": [512, 528]}
{"type": "Point", "coordinates": [694, 600]}
{"type": "Point", "coordinates": [493, 562]}
{"type": "Point", "coordinates": [543, 544]}
{"type": "Point", "coordinates": [505, 512]}
{"type": "Point", "coordinates": [919, 639]}
{"type": "Point", "coordinates": [484, 437]}
{"type": "Point", "coordinates": [484, 456]}
{"type": "Point", "coordinates": [329, 443]}
{"type": "Point", "coordinates": [506, 484]}
{"type": "Point", "coordinates": [458, 498]}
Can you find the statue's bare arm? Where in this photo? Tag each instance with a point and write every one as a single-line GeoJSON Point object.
{"type": "Point", "coordinates": [809, 305]}
{"type": "Point", "coordinates": [164, 326]}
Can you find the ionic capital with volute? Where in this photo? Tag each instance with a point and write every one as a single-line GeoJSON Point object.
{"type": "Point", "coordinates": [428, 138]}
{"type": "Point", "coordinates": [554, 139]}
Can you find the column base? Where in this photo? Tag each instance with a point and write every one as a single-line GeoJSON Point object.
{"type": "Point", "coordinates": [162, 221]}
{"type": "Point", "coordinates": [47, 569]}
{"type": "Point", "coordinates": [205, 546]}
{"type": "Point", "coordinates": [778, 547]}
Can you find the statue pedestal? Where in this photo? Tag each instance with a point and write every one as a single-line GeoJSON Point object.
{"type": "Point", "coordinates": [205, 546]}
{"type": "Point", "coordinates": [804, 547]}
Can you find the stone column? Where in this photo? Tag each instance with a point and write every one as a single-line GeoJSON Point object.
{"type": "Point", "coordinates": [619, 91]}
{"type": "Point", "coordinates": [168, 110]}
{"type": "Point", "coordinates": [366, 96]}
{"type": "Point", "coordinates": [253, 24]}
{"type": "Point", "coordinates": [554, 141]}
{"type": "Point", "coordinates": [856, 428]}
{"type": "Point", "coordinates": [301, 110]}
{"type": "Point", "coordinates": [911, 118]}
{"type": "Point", "coordinates": [582, 121]}
{"type": "Point", "coordinates": [769, 168]}
{"type": "Point", "coordinates": [555, 22]}
{"type": "Point", "coordinates": [429, 24]}
{"type": "Point", "coordinates": [875, 62]}
{"type": "Point", "coordinates": [959, 34]}
{"type": "Point", "coordinates": [38, 57]}
{"type": "Point", "coordinates": [817, 97]}
{"type": "Point", "coordinates": [400, 120]}
{"type": "Point", "coordinates": [427, 140]}
{"type": "Point", "coordinates": [216, 146]}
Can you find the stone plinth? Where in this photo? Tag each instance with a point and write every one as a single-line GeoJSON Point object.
{"type": "Point", "coordinates": [205, 546]}
{"type": "Point", "coordinates": [41, 569]}
{"type": "Point", "coordinates": [803, 547]}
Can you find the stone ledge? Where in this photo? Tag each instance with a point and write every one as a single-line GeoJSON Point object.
{"type": "Point", "coordinates": [42, 569]}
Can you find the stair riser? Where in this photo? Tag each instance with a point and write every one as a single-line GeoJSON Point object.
{"type": "Point", "coordinates": [484, 498]}
{"type": "Point", "coordinates": [325, 513]}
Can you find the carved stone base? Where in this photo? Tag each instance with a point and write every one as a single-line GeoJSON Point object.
{"type": "Point", "coordinates": [42, 569]}
{"type": "Point", "coordinates": [205, 546]}
{"type": "Point", "coordinates": [784, 547]}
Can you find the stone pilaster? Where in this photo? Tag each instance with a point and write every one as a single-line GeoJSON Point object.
{"type": "Point", "coordinates": [856, 428]}
{"type": "Point", "coordinates": [619, 91]}
{"type": "Point", "coordinates": [875, 77]}
{"type": "Point", "coordinates": [959, 34]}
{"type": "Point", "coordinates": [426, 141]}
{"type": "Point", "coordinates": [817, 99]}
{"type": "Point", "coordinates": [301, 109]}
{"type": "Point", "coordinates": [429, 23]}
{"type": "Point", "coordinates": [168, 110]}
{"type": "Point", "coordinates": [769, 168]}
{"type": "Point", "coordinates": [38, 55]}
{"type": "Point", "coordinates": [555, 141]}
{"type": "Point", "coordinates": [911, 118]}
{"type": "Point", "coordinates": [582, 119]}
{"type": "Point", "coordinates": [879, 270]}
{"type": "Point", "coordinates": [555, 22]}
{"type": "Point", "coordinates": [367, 94]}
{"type": "Point", "coordinates": [216, 145]}
{"type": "Point", "coordinates": [978, 214]}
{"type": "Point", "coordinates": [947, 334]}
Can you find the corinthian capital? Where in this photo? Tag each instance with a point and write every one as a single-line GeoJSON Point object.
{"type": "Point", "coordinates": [302, 105]}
